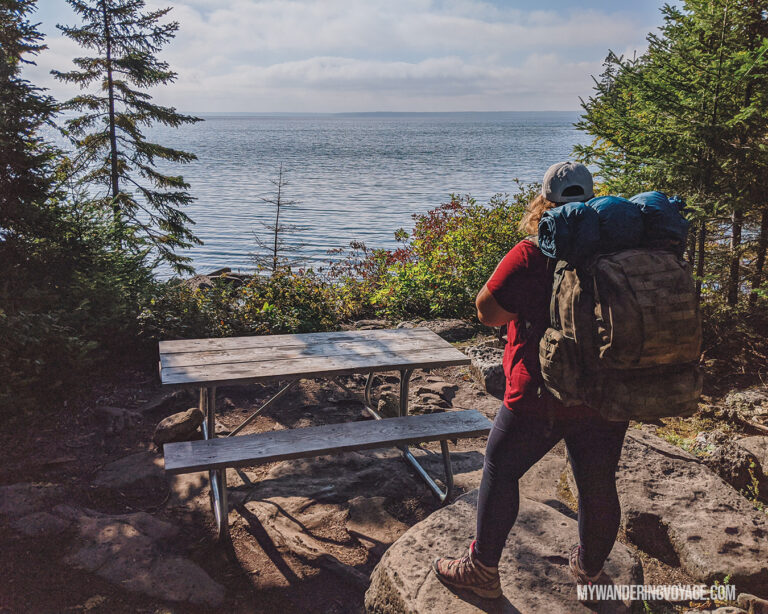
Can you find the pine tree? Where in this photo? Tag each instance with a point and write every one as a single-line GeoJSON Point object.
{"type": "Point", "coordinates": [273, 252]}
{"type": "Point", "coordinates": [690, 116]}
{"type": "Point", "coordinates": [25, 159]}
{"type": "Point", "coordinates": [146, 203]}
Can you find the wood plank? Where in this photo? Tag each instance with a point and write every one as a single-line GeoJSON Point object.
{"type": "Point", "coordinates": [296, 352]}
{"type": "Point", "coordinates": [297, 340]}
{"type": "Point", "coordinates": [248, 450]}
{"type": "Point", "coordinates": [319, 366]}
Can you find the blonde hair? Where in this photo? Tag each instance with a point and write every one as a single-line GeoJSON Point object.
{"type": "Point", "coordinates": [533, 212]}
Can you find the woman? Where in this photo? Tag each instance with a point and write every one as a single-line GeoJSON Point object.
{"type": "Point", "coordinates": [530, 421]}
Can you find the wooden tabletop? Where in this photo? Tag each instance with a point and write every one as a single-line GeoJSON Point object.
{"type": "Point", "coordinates": [242, 360]}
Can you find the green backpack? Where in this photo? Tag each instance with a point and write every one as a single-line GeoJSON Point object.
{"type": "Point", "coordinates": [625, 336]}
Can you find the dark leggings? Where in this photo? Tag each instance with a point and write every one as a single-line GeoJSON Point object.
{"type": "Point", "coordinates": [516, 442]}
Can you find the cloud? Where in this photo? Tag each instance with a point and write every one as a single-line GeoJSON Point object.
{"type": "Point", "coordinates": [344, 55]}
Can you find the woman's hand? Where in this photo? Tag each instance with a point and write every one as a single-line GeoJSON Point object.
{"type": "Point", "coordinates": [489, 312]}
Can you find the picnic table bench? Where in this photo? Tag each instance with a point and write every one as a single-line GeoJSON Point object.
{"type": "Point", "coordinates": [208, 363]}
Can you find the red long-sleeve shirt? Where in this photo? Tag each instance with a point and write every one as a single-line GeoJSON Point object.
{"type": "Point", "coordinates": [522, 284]}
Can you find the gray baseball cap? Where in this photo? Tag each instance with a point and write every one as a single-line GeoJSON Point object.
{"type": "Point", "coordinates": [567, 182]}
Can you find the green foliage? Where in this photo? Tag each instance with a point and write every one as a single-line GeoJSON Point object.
{"type": "Point", "coordinates": [689, 116]}
{"type": "Point", "coordinates": [114, 153]}
{"type": "Point", "coordinates": [285, 302]}
{"type": "Point", "coordinates": [449, 256]}
{"type": "Point", "coordinates": [25, 160]}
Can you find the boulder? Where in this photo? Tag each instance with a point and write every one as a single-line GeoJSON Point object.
{"type": "Point", "coordinates": [178, 427]}
{"type": "Point", "coordinates": [388, 405]}
{"type": "Point", "coordinates": [677, 510]}
{"type": "Point", "coordinates": [487, 368]}
{"type": "Point", "coordinates": [534, 567]}
{"type": "Point", "coordinates": [143, 469]}
{"type": "Point", "coordinates": [752, 604]}
{"type": "Point", "coordinates": [758, 446]}
{"type": "Point", "coordinates": [750, 403]}
{"type": "Point", "coordinates": [449, 329]}
{"type": "Point", "coordinates": [739, 467]}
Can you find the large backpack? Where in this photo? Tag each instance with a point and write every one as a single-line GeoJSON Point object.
{"type": "Point", "coordinates": [625, 335]}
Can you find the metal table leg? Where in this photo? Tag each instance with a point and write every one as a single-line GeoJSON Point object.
{"type": "Point", "coordinates": [218, 477]}
{"type": "Point", "coordinates": [443, 495]}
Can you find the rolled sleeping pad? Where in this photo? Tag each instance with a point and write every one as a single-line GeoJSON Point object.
{"type": "Point", "coordinates": [662, 222]}
{"type": "Point", "coordinates": [621, 223]}
{"type": "Point", "coordinates": [570, 232]}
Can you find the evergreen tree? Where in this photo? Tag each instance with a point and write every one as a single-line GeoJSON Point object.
{"type": "Point", "coordinates": [25, 160]}
{"type": "Point", "coordinates": [690, 116]}
{"type": "Point", "coordinates": [273, 251]}
{"type": "Point", "coordinates": [146, 203]}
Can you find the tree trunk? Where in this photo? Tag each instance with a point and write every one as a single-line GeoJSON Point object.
{"type": "Point", "coordinates": [692, 248]}
{"type": "Point", "coordinates": [277, 218]}
{"type": "Point", "coordinates": [762, 247]}
{"type": "Point", "coordinates": [737, 219]}
{"type": "Point", "coordinates": [700, 256]}
{"type": "Point", "coordinates": [111, 94]}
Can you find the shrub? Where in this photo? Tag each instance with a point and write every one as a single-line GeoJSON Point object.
{"type": "Point", "coordinates": [285, 302]}
{"type": "Point", "coordinates": [450, 255]}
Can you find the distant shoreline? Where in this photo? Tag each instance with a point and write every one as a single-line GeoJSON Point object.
{"type": "Point", "coordinates": [379, 114]}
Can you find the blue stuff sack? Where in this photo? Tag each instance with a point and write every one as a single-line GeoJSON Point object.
{"type": "Point", "coordinates": [621, 223]}
{"type": "Point", "coordinates": [662, 221]}
{"type": "Point", "coordinates": [570, 232]}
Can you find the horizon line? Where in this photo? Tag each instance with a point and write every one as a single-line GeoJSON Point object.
{"type": "Point", "coordinates": [376, 112]}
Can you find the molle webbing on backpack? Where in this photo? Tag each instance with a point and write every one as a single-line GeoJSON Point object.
{"type": "Point", "coordinates": [625, 335]}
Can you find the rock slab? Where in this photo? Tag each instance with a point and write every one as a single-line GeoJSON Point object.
{"type": "Point", "coordinates": [487, 368]}
{"type": "Point", "coordinates": [534, 567]}
{"type": "Point", "coordinates": [676, 509]}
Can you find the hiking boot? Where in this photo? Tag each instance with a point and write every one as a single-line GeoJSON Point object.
{"type": "Point", "coordinates": [582, 577]}
{"type": "Point", "coordinates": [469, 574]}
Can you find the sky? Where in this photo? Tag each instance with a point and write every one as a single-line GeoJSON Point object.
{"type": "Point", "coordinates": [331, 56]}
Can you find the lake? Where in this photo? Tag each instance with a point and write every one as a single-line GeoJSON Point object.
{"type": "Point", "coordinates": [354, 176]}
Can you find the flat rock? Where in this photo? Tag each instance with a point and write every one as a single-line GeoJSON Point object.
{"type": "Point", "coordinates": [140, 469]}
{"type": "Point", "coordinates": [126, 550]}
{"type": "Point", "coordinates": [116, 419]}
{"type": "Point", "coordinates": [178, 427]}
{"type": "Point", "coordinates": [370, 522]}
{"type": "Point", "coordinates": [25, 498]}
{"type": "Point", "coordinates": [534, 567]}
{"type": "Point", "coordinates": [445, 390]}
{"type": "Point", "coordinates": [433, 399]}
{"type": "Point", "coordinates": [680, 512]}
{"type": "Point", "coordinates": [487, 368]}
{"type": "Point", "coordinates": [448, 329]}
{"type": "Point", "coordinates": [41, 524]}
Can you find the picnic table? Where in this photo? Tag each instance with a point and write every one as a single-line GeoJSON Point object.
{"type": "Point", "coordinates": [207, 363]}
